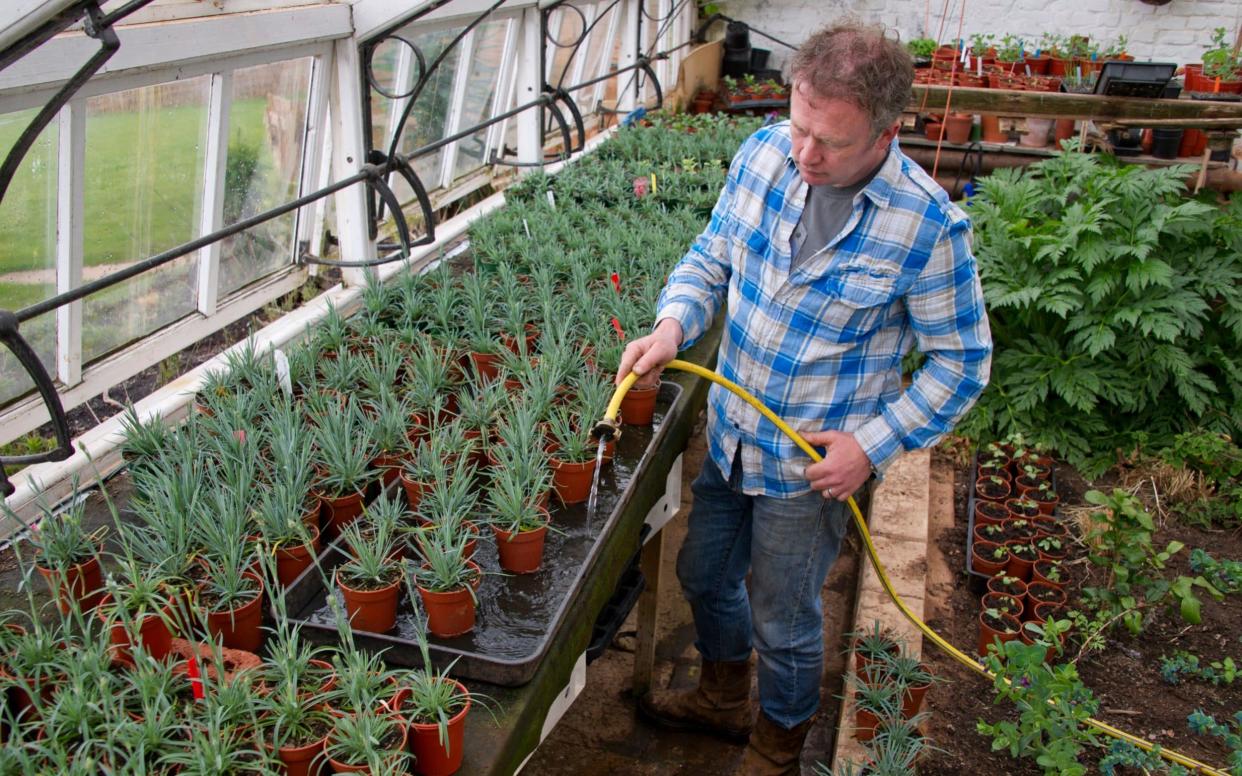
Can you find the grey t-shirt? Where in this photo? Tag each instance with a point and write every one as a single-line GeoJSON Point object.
{"type": "Point", "coordinates": [827, 210]}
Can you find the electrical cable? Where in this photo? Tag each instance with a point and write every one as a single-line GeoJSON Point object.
{"type": "Point", "coordinates": [610, 416]}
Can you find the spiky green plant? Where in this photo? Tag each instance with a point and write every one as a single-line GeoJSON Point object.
{"type": "Point", "coordinates": [568, 430]}
{"type": "Point", "coordinates": [371, 564]}
{"type": "Point", "coordinates": [344, 448]}
{"type": "Point", "coordinates": [370, 738]}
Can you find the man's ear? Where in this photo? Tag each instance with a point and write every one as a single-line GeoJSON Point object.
{"type": "Point", "coordinates": [886, 137]}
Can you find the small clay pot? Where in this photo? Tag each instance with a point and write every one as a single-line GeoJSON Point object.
{"type": "Point", "coordinates": [522, 552]}
{"type": "Point", "coordinates": [374, 611]}
{"type": "Point", "coordinates": [1006, 629]}
{"type": "Point", "coordinates": [983, 561]}
{"type": "Point", "coordinates": [1003, 602]}
{"type": "Point", "coordinates": [292, 560]}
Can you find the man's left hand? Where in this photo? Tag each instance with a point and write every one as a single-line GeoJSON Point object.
{"type": "Point", "coordinates": [844, 469]}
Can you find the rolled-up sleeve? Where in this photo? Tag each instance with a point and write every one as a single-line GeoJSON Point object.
{"type": "Point", "coordinates": [946, 312]}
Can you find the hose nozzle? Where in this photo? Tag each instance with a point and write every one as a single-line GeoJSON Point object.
{"type": "Point", "coordinates": [606, 430]}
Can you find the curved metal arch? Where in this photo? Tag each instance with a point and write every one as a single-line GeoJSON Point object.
{"type": "Point", "coordinates": [369, 69]}
{"type": "Point", "coordinates": [587, 29]}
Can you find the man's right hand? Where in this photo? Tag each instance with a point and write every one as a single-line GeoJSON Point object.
{"type": "Point", "coordinates": [648, 355]}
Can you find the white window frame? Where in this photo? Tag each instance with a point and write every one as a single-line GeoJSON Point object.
{"type": "Point", "coordinates": [77, 382]}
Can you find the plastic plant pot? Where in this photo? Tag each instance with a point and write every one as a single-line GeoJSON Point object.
{"type": "Point", "coordinates": [957, 127]}
{"type": "Point", "coordinates": [983, 558]}
{"type": "Point", "coordinates": [153, 632]}
{"type": "Point", "coordinates": [291, 561]}
{"type": "Point", "coordinates": [241, 627]}
{"type": "Point", "coordinates": [1007, 585]}
{"type": "Point", "coordinates": [572, 481]}
{"type": "Point", "coordinates": [431, 757]}
{"type": "Point", "coordinates": [342, 511]}
{"type": "Point", "coordinates": [451, 613]}
{"type": "Point", "coordinates": [638, 406]}
{"type": "Point", "coordinates": [990, 512]}
{"type": "Point", "coordinates": [374, 611]}
{"type": "Point", "coordinates": [81, 583]}
{"type": "Point", "coordinates": [1021, 558]}
{"type": "Point", "coordinates": [994, 626]}
{"type": "Point", "coordinates": [521, 552]}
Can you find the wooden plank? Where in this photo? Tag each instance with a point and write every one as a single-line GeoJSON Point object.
{"type": "Point", "coordinates": [1006, 102]}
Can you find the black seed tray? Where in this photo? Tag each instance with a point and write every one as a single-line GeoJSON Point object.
{"type": "Point", "coordinates": [518, 615]}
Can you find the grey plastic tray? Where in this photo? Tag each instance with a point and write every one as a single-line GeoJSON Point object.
{"type": "Point", "coordinates": [518, 616]}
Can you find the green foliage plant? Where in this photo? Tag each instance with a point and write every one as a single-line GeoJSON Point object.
{"type": "Point", "coordinates": [1053, 707]}
{"type": "Point", "coordinates": [1120, 542]}
{"type": "Point", "coordinates": [1183, 664]}
{"type": "Point", "coordinates": [371, 565]}
{"type": "Point", "coordinates": [1220, 57]}
{"type": "Point", "coordinates": [1115, 305]}
{"type": "Point", "coordinates": [1224, 575]}
{"type": "Point", "coordinates": [568, 429]}
{"type": "Point", "coordinates": [921, 48]}
{"type": "Point", "coordinates": [370, 737]}
{"type": "Point", "coordinates": [1229, 733]}
{"type": "Point", "coordinates": [344, 448]}
{"type": "Point", "coordinates": [513, 497]}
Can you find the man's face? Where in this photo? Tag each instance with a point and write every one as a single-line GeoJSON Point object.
{"type": "Point", "coordinates": [832, 139]}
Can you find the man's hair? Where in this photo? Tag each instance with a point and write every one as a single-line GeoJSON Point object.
{"type": "Point", "coordinates": [858, 64]}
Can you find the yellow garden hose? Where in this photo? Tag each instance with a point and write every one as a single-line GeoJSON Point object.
{"type": "Point", "coordinates": [614, 408]}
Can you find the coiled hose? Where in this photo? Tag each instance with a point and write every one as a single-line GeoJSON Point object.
{"type": "Point", "coordinates": [610, 416]}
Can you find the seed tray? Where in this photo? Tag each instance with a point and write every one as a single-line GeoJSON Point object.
{"type": "Point", "coordinates": [519, 616]}
{"type": "Point", "coordinates": [977, 580]}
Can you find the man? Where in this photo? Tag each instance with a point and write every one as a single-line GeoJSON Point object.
{"type": "Point", "coordinates": [836, 254]}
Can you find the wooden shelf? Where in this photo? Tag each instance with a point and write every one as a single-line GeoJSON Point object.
{"type": "Point", "coordinates": [1006, 102]}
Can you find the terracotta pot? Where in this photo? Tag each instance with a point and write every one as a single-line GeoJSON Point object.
{"type": "Point", "coordinates": [981, 558]}
{"type": "Point", "coordinates": [957, 127]}
{"type": "Point", "coordinates": [1064, 130]}
{"type": "Point", "coordinates": [1059, 66]}
{"type": "Point", "coordinates": [1047, 506]}
{"type": "Point", "coordinates": [989, 532]}
{"type": "Point", "coordinates": [389, 466]}
{"type": "Point", "coordinates": [912, 700]}
{"type": "Point", "coordinates": [1039, 573]}
{"type": "Point", "coordinates": [452, 613]}
{"type": "Point", "coordinates": [992, 131]}
{"type": "Point", "coordinates": [1044, 611]}
{"type": "Point", "coordinates": [989, 490]}
{"type": "Point", "coordinates": [153, 632]}
{"type": "Point", "coordinates": [240, 628]}
{"type": "Point", "coordinates": [572, 481]}
{"type": "Point", "coordinates": [638, 406]}
{"type": "Point", "coordinates": [520, 553]}
{"type": "Point", "coordinates": [414, 490]}
{"type": "Point", "coordinates": [1051, 595]}
{"type": "Point", "coordinates": [486, 365]}
{"type": "Point", "coordinates": [1019, 567]}
{"type": "Point", "coordinates": [302, 760]}
{"type": "Point", "coordinates": [1004, 602]}
{"type": "Point", "coordinates": [81, 583]}
{"type": "Point", "coordinates": [431, 757]}
{"type": "Point", "coordinates": [313, 508]}
{"type": "Point", "coordinates": [990, 512]}
{"type": "Point", "coordinates": [862, 661]}
{"type": "Point", "coordinates": [340, 767]}
{"type": "Point", "coordinates": [988, 634]}
{"type": "Point", "coordinates": [1194, 142]}
{"type": "Point", "coordinates": [342, 511]}
{"type": "Point", "coordinates": [292, 561]}
{"type": "Point", "coordinates": [1020, 510]}
{"type": "Point", "coordinates": [1051, 552]}
{"type": "Point", "coordinates": [865, 724]}
{"type": "Point", "coordinates": [932, 130]}
{"type": "Point", "coordinates": [1040, 65]}
{"type": "Point", "coordinates": [374, 611]}
{"type": "Point", "coordinates": [1016, 588]}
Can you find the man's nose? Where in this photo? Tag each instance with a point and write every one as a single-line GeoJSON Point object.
{"type": "Point", "coordinates": [807, 155]}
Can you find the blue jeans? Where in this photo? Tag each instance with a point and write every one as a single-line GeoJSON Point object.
{"type": "Point", "coordinates": [788, 545]}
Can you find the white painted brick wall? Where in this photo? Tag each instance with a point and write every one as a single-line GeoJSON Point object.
{"type": "Point", "coordinates": [1177, 32]}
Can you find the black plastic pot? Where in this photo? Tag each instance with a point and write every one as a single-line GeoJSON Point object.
{"type": "Point", "coordinates": [1127, 141]}
{"type": "Point", "coordinates": [1165, 142]}
{"type": "Point", "coordinates": [759, 58]}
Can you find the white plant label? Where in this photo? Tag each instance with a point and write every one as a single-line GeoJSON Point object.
{"type": "Point", "coordinates": [551, 198]}
{"type": "Point", "coordinates": [282, 371]}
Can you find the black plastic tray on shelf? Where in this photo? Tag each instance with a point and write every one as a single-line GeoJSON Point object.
{"type": "Point", "coordinates": [518, 615]}
{"type": "Point", "coordinates": [977, 580]}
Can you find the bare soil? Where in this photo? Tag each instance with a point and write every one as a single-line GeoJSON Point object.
{"type": "Point", "coordinates": [1124, 675]}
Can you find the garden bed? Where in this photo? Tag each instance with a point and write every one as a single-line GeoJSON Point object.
{"type": "Point", "coordinates": [1125, 676]}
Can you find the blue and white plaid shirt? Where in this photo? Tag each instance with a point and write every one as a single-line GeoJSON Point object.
{"type": "Point", "coordinates": [823, 347]}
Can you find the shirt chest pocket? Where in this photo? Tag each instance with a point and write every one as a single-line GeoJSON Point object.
{"type": "Point", "coordinates": [853, 302]}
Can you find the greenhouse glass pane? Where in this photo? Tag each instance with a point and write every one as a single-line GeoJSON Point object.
{"type": "Point", "coordinates": [267, 131]}
{"type": "Point", "coordinates": [592, 52]}
{"type": "Point", "coordinates": [481, 88]}
{"type": "Point", "coordinates": [28, 246]}
{"type": "Point", "coordinates": [143, 195]}
{"type": "Point", "coordinates": [568, 32]}
{"type": "Point", "coordinates": [426, 121]}
{"type": "Point", "coordinates": [384, 66]}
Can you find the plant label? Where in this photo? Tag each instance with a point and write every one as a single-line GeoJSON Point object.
{"type": "Point", "coordinates": [282, 371]}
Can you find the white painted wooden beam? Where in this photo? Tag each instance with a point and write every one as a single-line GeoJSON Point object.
{"type": "Point", "coordinates": [163, 45]}
{"type": "Point", "coordinates": [348, 157]}
{"type": "Point", "coordinates": [457, 102]}
{"type": "Point", "coordinates": [211, 215]}
{"type": "Point", "coordinates": [529, 86]}
{"type": "Point", "coordinates": [70, 187]}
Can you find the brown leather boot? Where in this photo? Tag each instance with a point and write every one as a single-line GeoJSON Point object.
{"type": "Point", "coordinates": [719, 706]}
{"type": "Point", "coordinates": [773, 750]}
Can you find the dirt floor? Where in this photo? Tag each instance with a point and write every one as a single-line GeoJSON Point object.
{"type": "Point", "coordinates": [1124, 676]}
{"type": "Point", "coordinates": [602, 733]}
